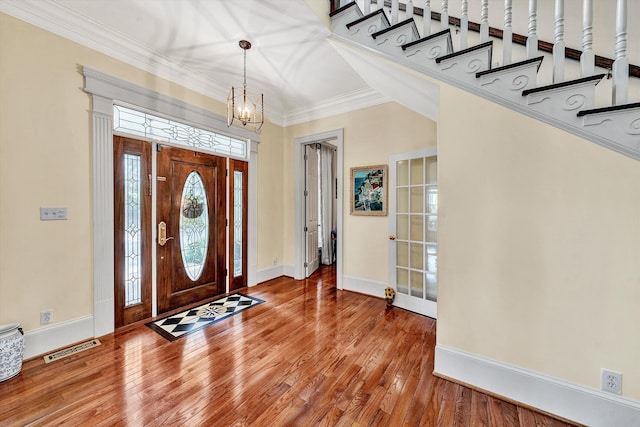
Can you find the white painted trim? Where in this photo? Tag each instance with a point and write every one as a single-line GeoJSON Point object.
{"type": "Point", "coordinates": [44, 340]}
{"type": "Point", "coordinates": [106, 90]}
{"type": "Point", "coordinates": [556, 396]}
{"type": "Point", "coordinates": [270, 273]}
{"type": "Point", "coordinates": [336, 139]}
{"type": "Point", "coordinates": [252, 226]}
{"type": "Point", "coordinates": [344, 103]}
{"type": "Point", "coordinates": [374, 288]}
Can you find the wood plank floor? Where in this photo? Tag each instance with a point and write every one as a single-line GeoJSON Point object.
{"type": "Point", "coordinates": [310, 355]}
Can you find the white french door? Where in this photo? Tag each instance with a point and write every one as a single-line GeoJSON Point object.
{"type": "Point", "coordinates": [413, 230]}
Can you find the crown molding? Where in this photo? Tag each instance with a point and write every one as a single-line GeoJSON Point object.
{"type": "Point", "coordinates": [344, 103]}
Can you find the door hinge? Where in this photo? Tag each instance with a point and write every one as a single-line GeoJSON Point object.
{"type": "Point", "coordinates": [306, 229]}
{"type": "Point", "coordinates": [226, 222]}
{"type": "Point", "coordinates": [306, 193]}
{"type": "Point", "coordinates": [306, 157]}
{"type": "Point", "coordinates": [306, 264]}
{"type": "Point", "coordinates": [226, 172]}
{"type": "Point", "coordinates": [226, 272]}
{"type": "Point", "coordinates": [150, 185]}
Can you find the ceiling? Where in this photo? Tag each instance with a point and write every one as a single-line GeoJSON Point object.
{"type": "Point", "coordinates": [195, 43]}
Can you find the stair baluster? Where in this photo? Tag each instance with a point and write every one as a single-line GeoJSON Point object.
{"type": "Point", "coordinates": [532, 34]}
{"type": "Point", "coordinates": [507, 34]}
{"type": "Point", "coordinates": [558, 44]}
{"type": "Point", "coordinates": [484, 21]}
{"type": "Point", "coordinates": [395, 8]}
{"type": "Point", "coordinates": [426, 18]}
{"type": "Point", "coordinates": [464, 25]}
{"type": "Point", "coordinates": [366, 7]}
{"type": "Point", "coordinates": [444, 15]}
{"type": "Point", "coordinates": [587, 58]}
{"type": "Point", "coordinates": [620, 69]}
{"type": "Point", "coordinates": [409, 9]}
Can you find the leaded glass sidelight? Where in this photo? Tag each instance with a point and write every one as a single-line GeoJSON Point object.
{"type": "Point", "coordinates": [237, 226]}
{"type": "Point", "coordinates": [194, 225]}
{"type": "Point", "coordinates": [132, 230]}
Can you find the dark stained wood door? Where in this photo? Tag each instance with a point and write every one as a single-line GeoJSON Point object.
{"type": "Point", "coordinates": [191, 202]}
{"type": "Point", "coordinates": [132, 230]}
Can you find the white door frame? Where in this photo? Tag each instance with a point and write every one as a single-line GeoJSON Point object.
{"type": "Point", "coordinates": [335, 139]}
{"type": "Point", "coordinates": [104, 90]}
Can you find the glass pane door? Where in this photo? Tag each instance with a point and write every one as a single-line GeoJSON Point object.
{"type": "Point", "coordinates": [413, 226]}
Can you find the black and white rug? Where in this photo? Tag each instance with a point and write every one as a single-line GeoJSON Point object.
{"type": "Point", "coordinates": [192, 320]}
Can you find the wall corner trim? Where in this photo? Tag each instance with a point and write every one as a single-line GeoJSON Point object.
{"type": "Point", "coordinates": [556, 396]}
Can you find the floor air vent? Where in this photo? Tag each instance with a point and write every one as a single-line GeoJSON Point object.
{"type": "Point", "coordinates": [61, 354]}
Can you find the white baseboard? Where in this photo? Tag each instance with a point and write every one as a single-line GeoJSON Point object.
{"type": "Point", "coordinates": [269, 273]}
{"type": "Point", "coordinates": [364, 286]}
{"type": "Point", "coordinates": [567, 400]}
{"type": "Point", "coordinates": [44, 340]}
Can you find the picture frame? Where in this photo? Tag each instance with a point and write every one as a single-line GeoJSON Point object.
{"type": "Point", "coordinates": [369, 190]}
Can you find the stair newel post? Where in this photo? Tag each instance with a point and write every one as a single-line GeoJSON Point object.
{"type": "Point", "coordinates": [507, 33]}
{"type": "Point", "coordinates": [426, 19]}
{"type": "Point", "coordinates": [559, 44]}
{"type": "Point", "coordinates": [444, 15]}
{"type": "Point", "coordinates": [366, 8]}
{"type": "Point", "coordinates": [395, 8]}
{"type": "Point", "coordinates": [409, 10]}
{"type": "Point", "coordinates": [620, 70]}
{"type": "Point", "coordinates": [484, 21]}
{"type": "Point", "coordinates": [464, 25]}
{"type": "Point", "coordinates": [587, 58]}
{"type": "Point", "coordinates": [532, 34]}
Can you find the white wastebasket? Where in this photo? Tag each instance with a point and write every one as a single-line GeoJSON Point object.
{"type": "Point", "coordinates": [11, 350]}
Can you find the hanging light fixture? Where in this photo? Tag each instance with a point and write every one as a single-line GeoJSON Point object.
{"type": "Point", "coordinates": [244, 105]}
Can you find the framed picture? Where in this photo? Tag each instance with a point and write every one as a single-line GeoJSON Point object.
{"type": "Point", "coordinates": [369, 190]}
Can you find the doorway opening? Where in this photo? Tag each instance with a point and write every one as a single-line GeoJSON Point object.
{"type": "Point", "coordinates": [309, 207]}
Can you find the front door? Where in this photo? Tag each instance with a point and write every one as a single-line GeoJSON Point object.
{"type": "Point", "coordinates": [191, 218]}
{"type": "Point", "coordinates": [413, 230]}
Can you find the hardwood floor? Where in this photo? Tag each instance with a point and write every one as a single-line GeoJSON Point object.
{"type": "Point", "coordinates": [310, 355]}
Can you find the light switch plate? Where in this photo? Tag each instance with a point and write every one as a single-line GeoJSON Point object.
{"type": "Point", "coordinates": [53, 214]}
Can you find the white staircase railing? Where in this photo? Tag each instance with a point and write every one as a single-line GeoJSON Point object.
{"type": "Point", "coordinates": [568, 103]}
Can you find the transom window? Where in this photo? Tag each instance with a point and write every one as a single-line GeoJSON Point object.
{"type": "Point", "coordinates": [158, 128]}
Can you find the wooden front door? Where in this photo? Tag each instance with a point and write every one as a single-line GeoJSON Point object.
{"type": "Point", "coordinates": [191, 219]}
{"type": "Point", "coordinates": [132, 230]}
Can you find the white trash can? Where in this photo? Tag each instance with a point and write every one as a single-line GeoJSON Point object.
{"type": "Point", "coordinates": [11, 350]}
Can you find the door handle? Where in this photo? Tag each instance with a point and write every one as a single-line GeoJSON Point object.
{"type": "Point", "coordinates": [162, 233]}
{"type": "Point", "coordinates": [392, 237]}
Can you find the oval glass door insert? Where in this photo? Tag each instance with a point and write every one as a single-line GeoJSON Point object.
{"type": "Point", "coordinates": [194, 226]}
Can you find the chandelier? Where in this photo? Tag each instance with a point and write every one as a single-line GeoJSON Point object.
{"type": "Point", "coordinates": [244, 105]}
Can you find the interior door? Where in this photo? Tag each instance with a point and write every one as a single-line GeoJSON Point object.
{"type": "Point", "coordinates": [413, 230]}
{"type": "Point", "coordinates": [312, 258]}
{"type": "Point", "coordinates": [132, 230]}
{"type": "Point", "coordinates": [191, 227]}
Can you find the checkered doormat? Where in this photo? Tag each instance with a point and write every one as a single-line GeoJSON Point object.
{"type": "Point", "coordinates": [192, 320]}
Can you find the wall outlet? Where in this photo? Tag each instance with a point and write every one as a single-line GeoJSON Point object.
{"type": "Point", "coordinates": [45, 317]}
{"type": "Point", "coordinates": [53, 214]}
{"type": "Point", "coordinates": [274, 261]}
{"type": "Point", "coordinates": [611, 381]}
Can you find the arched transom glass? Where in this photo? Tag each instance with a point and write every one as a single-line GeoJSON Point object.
{"type": "Point", "coordinates": [194, 225]}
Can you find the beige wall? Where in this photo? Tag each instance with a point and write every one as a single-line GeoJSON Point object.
{"type": "Point", "coordinates": [539, 245]}
{"type": "Point", "coordinates": [370, 136]}
{"type": "Point", "coordinates": [45, 160]}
